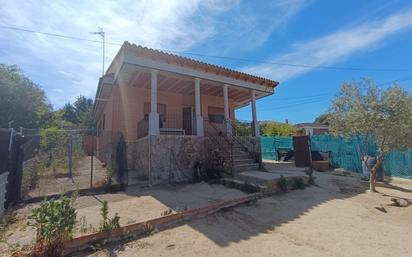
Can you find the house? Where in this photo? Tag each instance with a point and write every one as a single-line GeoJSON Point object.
{"type": "Point", "coordinates": [312, 129]}
{"type": "Point", "coordinates": [172, 114]}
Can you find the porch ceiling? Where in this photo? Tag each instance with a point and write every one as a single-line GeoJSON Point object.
{"type": "Point", "coordinates": [169, 82]}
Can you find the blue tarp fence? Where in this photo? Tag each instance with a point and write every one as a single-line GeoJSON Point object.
{"type": "Point", "coordinates": [344, 153]}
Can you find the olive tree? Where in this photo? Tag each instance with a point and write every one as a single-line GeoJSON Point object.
{"type": "Point", "coordinates": [363, 110]}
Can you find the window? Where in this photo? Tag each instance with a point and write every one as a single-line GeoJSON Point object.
{"type": "Point", "coordinates": [216, 115]}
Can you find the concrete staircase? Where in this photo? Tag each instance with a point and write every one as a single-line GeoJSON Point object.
{"type": "Point", "coordinates": [242, 161]}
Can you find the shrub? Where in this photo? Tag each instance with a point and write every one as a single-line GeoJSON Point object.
{"type": "Point", "coordinates": [282, 184]}
{"type": "Point", "coordinates": [54, 221]}
{"type": "Point", "coordinates": [249, 188]}
{"type": "Point", "coordinates": [298, 183]}
{"type": "Point", "coordinates": [108, 224]}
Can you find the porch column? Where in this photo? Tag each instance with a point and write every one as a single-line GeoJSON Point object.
{"type": "Point", "coordinates": [254, 116]}
{"type": "Point", "coordinates": [228, 126]}
{"type": "Point", "coordinates": [199, 118]}
{"type": "Point", "coordinates": [153, 115]}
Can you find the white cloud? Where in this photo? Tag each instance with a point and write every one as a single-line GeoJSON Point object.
{"type": "Point", "coordinates": [55, 62]}
{"type": "Point", "coordinates": [333, 47]}
{"type": "Point", "coordinates": [67, 68]}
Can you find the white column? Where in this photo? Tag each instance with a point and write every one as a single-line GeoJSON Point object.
{"type": "Point", "coordinates": [153, 115]}
{"type": "Point", "coordinates": [226, 109]}
{"type": "Point", "coordinates": [199, 118]}
{"type": "Point", "coordinates": [254, 116]}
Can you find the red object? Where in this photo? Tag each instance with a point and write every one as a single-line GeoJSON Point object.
{"type": "Point", "coordinates": [89, 144]}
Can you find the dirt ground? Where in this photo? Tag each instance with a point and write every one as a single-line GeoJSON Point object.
{"type": "Point", "coordinates": [50, 184]}
{"type": "Point", "coordinates": [336, 217]}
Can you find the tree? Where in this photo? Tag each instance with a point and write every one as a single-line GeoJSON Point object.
{"type": "Point", "coordinates": [84, 111]}
{"type": "Point", "coordinates": [68, 113]}
{"type": "Point", "coordinates": [323, 119]}
{"type": "Point", "coordinates": [366, 112]}
{"type": "Point", "coordinates": [271, 128]}
{"type": "Point", "coordinates": [22, 102]}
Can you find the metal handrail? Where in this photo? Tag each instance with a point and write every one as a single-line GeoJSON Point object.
{"type": "Point", "coordinates": [233, 127]}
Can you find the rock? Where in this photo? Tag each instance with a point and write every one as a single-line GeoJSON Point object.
{"type": "Point", "coordinates": [382, 209]}
{"type": "Point", "coordinates": [399, 202]}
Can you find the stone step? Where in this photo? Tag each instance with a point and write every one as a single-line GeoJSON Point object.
{"type": "Point", "coordinates": [246, 167]}
{"type": "Point", "coordinates": [243, 161]}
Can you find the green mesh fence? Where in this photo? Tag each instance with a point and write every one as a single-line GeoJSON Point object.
{"type": "Point", "coordinates": [344, 153]}
{"type": "Point", "coordinates": [398, 164]}
{"type": "Point", "coordinates": [270, 146]}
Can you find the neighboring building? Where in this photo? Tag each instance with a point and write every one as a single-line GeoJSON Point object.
{"type": "Point", "coordinates": [312, 129]}
{"type": "Point", "coordinates": [172, 112]}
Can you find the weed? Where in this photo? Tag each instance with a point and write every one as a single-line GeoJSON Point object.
{"type": "Point", "coordinates": [108, 224]}
{"type": "Point", "coordinates": [282, 184]}
{"type": "Point", "coordinates": [249, 188]}
{"type": "Point", "coordinates": [298, 183]}
{"type": "Point", "coordinates": [311, 179]}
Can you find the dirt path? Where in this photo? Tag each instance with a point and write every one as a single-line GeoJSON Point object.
{"type": "Point", "coordinates": [334, 218]}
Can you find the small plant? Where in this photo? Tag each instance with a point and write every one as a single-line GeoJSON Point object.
{"type": "Point", "coordinates": [282, 184]}
{"type": "Point", "coordinates": [108, 224]}
{"type": "Point", "coordinates": [249, 188]}
{"type": "Point", "coordinates": [108, 180]}
{"type": "Point", "coordinates": [298, 183]}
{"type": "Point", "coordinates": [54, 222]}
{"type": "Point", "coordinates": [311, 179]}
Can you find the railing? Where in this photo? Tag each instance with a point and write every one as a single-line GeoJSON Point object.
{"type": "Point", "coordinates": [240, 132]}
{"type": "Point", "coordinates": [223, 144]}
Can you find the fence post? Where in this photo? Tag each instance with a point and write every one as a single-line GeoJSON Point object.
{"type": "Point", "coordinates": [69, 154]}
{"type": "Point", "coordinates": [91, 160]}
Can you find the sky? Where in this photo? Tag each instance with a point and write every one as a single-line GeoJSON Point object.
{"type": "Point", "coordinates": [309, 46]}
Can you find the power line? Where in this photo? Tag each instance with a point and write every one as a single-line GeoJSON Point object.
{"type": "Point", "coordinates": [216, 56]}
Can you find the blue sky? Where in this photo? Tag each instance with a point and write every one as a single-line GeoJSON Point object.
{"type": "Point", "coordinates": [354, 34]}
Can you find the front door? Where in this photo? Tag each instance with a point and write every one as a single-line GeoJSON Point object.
{"type": "Point", "coordinates": [188, 120]}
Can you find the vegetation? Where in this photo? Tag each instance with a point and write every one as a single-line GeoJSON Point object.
{"type": "Point", "coordinates": [282, 184]}
{"type": "Point", "coordinates": [323, 119]}
{"type": "Point", "coordinates": [22, 102]}
{"type": "Point", "coordinates": [249, 188]}
{"type": "Point", "coordinates": [108, 224]}
{"type": "Point", "coordinates": [54, 222]}
{"type": "Point", "coordinates": [298, 183]}
{"type": "Point", "coordinates": [271, 128]}
{"type": "Point", "coordinates": [365, 111]}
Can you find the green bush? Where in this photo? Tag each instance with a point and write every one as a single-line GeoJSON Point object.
{"type": "Point", "coordinates": [54, 219]}
{"type": "Point", "coordinates": [249, 188]}
{"type": "Point", "coordinates": [298, 183]}
{"type": "Point", "coordinates": [282, 183]}
{"type": "Point", "coordinates": [108, 224]}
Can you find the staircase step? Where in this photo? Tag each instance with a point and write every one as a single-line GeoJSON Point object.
{"type": "Point", "coordinates": [245, 167]}
{"type": "Point", "coordinates": [243, 160]}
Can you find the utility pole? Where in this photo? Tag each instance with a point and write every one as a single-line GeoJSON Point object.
{"type": "Point", "coordinates": [102, 35]}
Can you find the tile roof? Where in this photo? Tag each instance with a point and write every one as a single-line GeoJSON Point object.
{"type": "Point", "coordinates": [169, 58]}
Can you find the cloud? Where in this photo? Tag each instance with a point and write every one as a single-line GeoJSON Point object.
{"type": "Point", "coordinates": [249, 24]}
{"type": "Point", "coordinates": [75, 66]}
{"type": "Point", "coordinates": [334, 47]}
{"type": "Point", "coordinates": [66, 68]}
